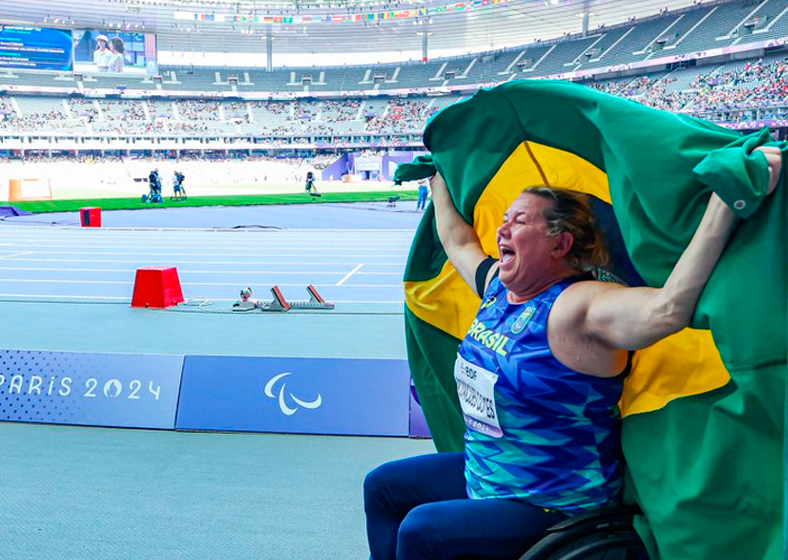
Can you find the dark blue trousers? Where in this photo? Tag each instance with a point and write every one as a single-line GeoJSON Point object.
{"type": "Point", "coordinates": [418, 509]}
{"type": "Point", "coordinates": [421, 203]}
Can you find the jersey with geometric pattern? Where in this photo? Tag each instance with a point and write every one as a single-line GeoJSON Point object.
{"type": "Point", "coordinates": [536, 430]}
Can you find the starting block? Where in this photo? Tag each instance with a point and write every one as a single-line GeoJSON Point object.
{"type": "Point", "coordinates": [280, 304]}
{"type": "Point", "coordinates": [316, 301]}
{"type": "Point", "coordinates": [247, 303]}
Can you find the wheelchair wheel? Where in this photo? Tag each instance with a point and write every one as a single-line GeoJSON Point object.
{"type": "Point", "coordinates": [606, 534]}
{"type": "Point", "coordinates": [610, 546]}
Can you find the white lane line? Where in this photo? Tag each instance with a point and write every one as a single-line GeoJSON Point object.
{"type": "Point", "coordinates": [128, 300]}
{"type": "Point", "coordinates": [257, 253]}
{"type": "Point", "coordinates": [49, 226]}
{"type": "Point", "coordinates": [62, 237]}
{"type": "Point", "coordinates": [129, 283]}
{"type": "Point", "coordinates": [14, 255]}
{"type": "Point", "coordinates": [151, 262]}
{"type": "Point", "coordinates": [62, 281]}
{"type": "Point", "coordinates": [188, 271]}
{"type": "Point", "coordinates": [347, 244]}
{"type": "Point", "coordinates": [168, 243]}
{"type": "Point", "coordinates": [101, 234]}
{"type": "Point", "coordinates": [348, 275]}
{"type": "Point", "coordinates": [280, 237]}
{"type": "Point", "coordinates": [43, 229]}
{"type": "Point", "coordinates": [50, 296]}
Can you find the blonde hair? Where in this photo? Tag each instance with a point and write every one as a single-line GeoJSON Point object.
{"type": "Point", "coordinates": [571, 211]}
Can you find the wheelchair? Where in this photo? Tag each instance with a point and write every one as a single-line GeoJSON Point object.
{"type": "Point", "coordinates": [606, 534]}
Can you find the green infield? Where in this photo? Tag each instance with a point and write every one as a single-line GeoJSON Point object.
{"type": "Point", "coordinates": [71, 205]}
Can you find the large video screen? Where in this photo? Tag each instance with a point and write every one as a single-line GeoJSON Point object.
{"type": "Point", "coordinates": [115, 52]}
{"type": "Point", "coordinates": [35, 48]}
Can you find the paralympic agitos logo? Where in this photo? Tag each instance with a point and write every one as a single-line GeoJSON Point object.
{"type": "Point", "coordinates": [289, 404]}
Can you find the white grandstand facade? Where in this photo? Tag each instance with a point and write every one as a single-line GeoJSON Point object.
{"type": "Point", "coordinates": [724, 61]}
{"type": "Point", "coordinates": [336, 32]}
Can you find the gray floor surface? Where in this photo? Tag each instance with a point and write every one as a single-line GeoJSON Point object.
{"type": "Point", "coordinates": [72, 493]}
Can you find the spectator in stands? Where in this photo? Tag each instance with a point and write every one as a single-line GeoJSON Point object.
{"type": "Point", "coordinates": [739, 93]}
{"type": "Point", "coordinates": [116, 60]}
{"type": "Point", "coordinates": [102, 54]}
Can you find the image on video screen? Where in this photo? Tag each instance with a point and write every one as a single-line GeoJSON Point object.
{"type": "Point", "coordinates": [114, 52]}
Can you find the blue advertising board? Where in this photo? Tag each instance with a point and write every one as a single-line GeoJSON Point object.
{"type": "Point", "coordinates": [295, 395]}
{"type": "Point", "coordinates": [35, 48]}
{"type": "Point", "coordinates": [114, 390]}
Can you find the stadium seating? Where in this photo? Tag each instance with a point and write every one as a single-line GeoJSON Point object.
{"type": "Point", "coordinates": [734, 92]}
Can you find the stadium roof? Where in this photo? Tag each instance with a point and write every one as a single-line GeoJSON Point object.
{"type": "Point", "coordinates": [337, 26]}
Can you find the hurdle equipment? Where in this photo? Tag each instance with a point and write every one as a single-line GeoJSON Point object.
{"type": "Point", "coordinates": [157, 287]}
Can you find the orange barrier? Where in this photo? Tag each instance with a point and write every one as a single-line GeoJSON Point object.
{"type": "Point", "coordinates": [29, 189]}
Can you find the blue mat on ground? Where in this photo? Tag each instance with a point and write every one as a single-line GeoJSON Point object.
{"type": "Point", "coordinates": [12, 211]}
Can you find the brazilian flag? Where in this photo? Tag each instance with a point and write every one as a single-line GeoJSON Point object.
{"type": "Point", "coordinates": [703, 410]}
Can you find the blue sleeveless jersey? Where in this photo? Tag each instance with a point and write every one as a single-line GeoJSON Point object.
{"type": "Point", "coordinates": [536, 430]}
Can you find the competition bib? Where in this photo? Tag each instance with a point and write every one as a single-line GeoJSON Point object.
{"type": "Point", "coordinates": [476, 389]}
